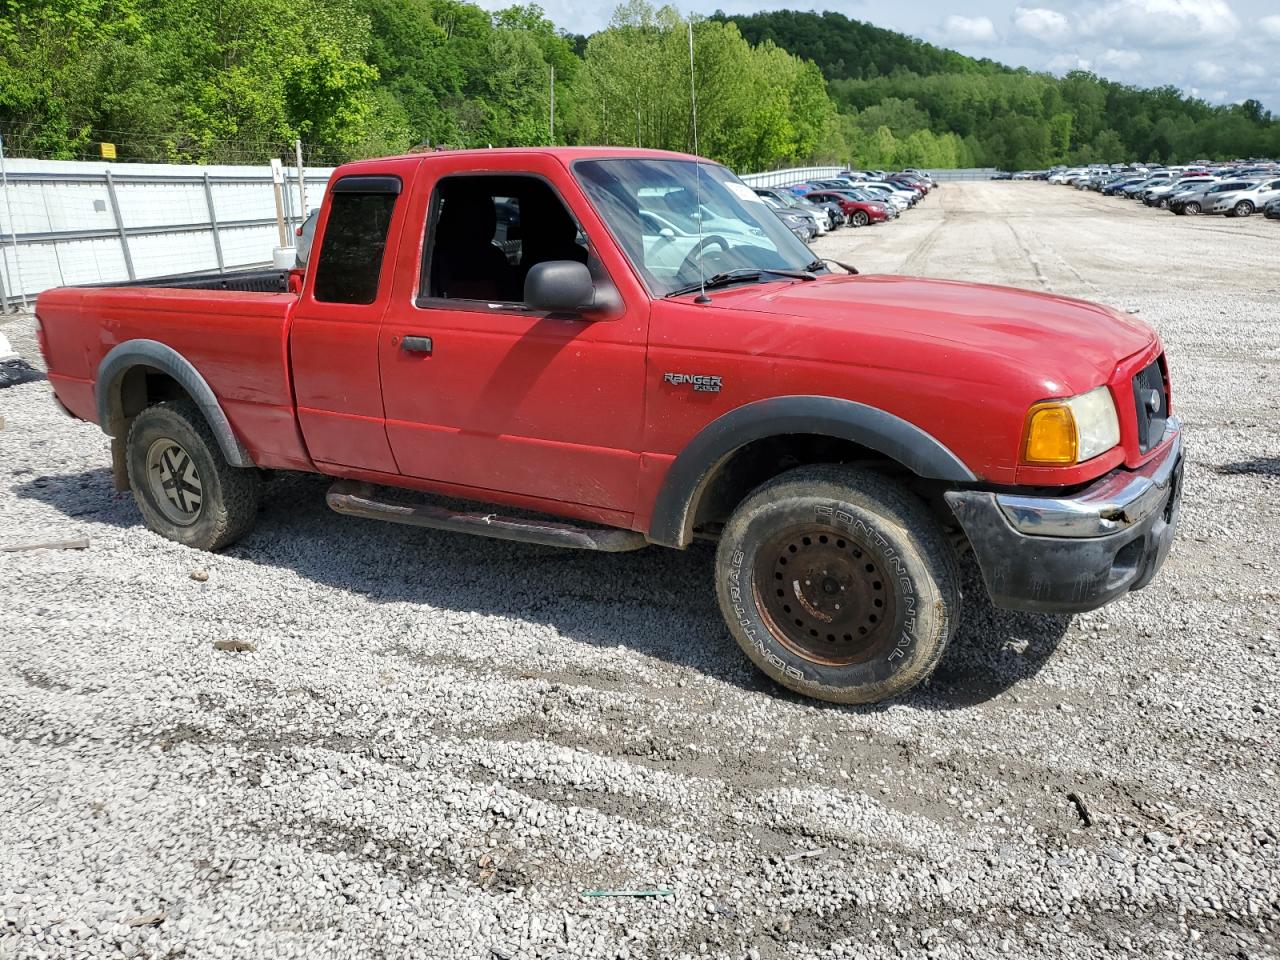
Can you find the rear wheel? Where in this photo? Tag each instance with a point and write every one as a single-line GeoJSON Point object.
{"type": "Point", "coordinates": [1242, 209]}
{"type": "Point", "coordinates": [184, 487]}
{"type": "Point", "coordinates": [838, 584]}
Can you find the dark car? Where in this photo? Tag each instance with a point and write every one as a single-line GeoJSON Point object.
{"type": "Point", "coordinates": [1272, 210]}
{"type": "Point", "coordinates": [833, 215]}
{"type": "Point", "coordinates": [1115, 187]}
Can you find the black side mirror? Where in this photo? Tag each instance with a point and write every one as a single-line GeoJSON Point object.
{"type": "Point", "coordinates": [560, 286]}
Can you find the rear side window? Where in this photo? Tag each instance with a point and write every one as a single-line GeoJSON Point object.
{"type": "Point", "coordinates": [354, 244]}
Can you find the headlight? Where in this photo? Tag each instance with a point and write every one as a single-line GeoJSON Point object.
{"type": "Point", "coordinates": [1070, 431]}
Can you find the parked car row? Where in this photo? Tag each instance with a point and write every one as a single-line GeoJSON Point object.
{"type": "Point", "coordinates": [856, 198]}
{"type": "Point", "coordinates": [1240, 188]}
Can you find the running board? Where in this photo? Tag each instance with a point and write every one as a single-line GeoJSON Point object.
{"type": "Point", "coordinates": [358, 500]}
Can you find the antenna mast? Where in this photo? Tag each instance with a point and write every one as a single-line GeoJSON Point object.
{"type": "Point", "coordinates": [697, 170]}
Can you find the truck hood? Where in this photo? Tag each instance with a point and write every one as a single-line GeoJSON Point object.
{"type": "Point", "coordinates": [1045, 331]}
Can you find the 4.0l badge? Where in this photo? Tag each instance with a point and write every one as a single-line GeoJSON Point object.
{"type": "Point", "coordinates": [702, 383]}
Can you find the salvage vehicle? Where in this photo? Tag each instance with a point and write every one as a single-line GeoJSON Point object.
{"type": "Point", "coordinates": [841, 438]}
{"type": "Point", "coordinates": [1243, 198]}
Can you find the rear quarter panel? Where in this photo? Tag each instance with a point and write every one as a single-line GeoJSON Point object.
{"type": "Point", "coordinates": [237, 341]}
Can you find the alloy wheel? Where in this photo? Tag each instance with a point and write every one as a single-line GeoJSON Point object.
{"type": "Point", "coordinates": [175, 483]}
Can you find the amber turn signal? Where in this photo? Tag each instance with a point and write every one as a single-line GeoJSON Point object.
{"type": "Point", "coordinates": [1050, 437]}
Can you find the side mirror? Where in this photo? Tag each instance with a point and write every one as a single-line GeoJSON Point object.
{"type": "Point", "coordinates": [560, 286]}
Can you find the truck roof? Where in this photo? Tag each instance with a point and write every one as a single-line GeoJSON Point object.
{"type": "Point", "coordinates": [566, 154]}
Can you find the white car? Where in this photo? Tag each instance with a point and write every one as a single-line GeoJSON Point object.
{"type": "Point", "coordinates": [889, 189]}
{"type": "Point", "coordinates": [885, 195]}
{"type": "Point", "coordinates": [1068, 176]}
{"type": "Point", "coordinates": [1241, 199]}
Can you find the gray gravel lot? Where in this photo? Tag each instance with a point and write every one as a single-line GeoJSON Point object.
{"type": "Point", "coordinates": [437, 743]}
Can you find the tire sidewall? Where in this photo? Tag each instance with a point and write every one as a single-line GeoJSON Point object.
{"type": "Point", "coordinates": [921, 625]}
{"type": "Point", "coordinates": [157, 423]}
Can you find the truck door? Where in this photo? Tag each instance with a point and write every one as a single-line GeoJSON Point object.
{"type": "Point", "coordinates": [482, 392]}
{"type": "Point", "coordinates": [333, 342]}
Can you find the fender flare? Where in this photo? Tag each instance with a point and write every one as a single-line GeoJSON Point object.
{"type": "Point", "coordinates": [876, 429]}
{"type": "Point", "coordinates": [123, 357]}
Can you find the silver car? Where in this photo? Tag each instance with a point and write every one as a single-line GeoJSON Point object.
{"type": "Point", "coordinates": [1244, 199]}
{"type": "Point", "coordinates": [1160, 195]}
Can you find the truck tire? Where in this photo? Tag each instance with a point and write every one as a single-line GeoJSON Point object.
{"type": "Point", "coordinates": [838, 584]}
{"type": "Point", "coordinates": [182, 484]}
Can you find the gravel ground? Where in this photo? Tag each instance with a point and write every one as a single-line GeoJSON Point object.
{"type": "Point", "coordinates": [430, 745]}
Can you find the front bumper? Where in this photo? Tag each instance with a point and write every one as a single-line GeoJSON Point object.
{"type": "Point", "coordinates": [1069, 554]}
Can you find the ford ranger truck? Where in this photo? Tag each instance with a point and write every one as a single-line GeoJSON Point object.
{"type": "Point", "coordinates": [614, 348]}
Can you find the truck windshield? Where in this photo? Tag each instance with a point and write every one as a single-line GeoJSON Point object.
{"type": "Point", "coordinates": [654, 208]}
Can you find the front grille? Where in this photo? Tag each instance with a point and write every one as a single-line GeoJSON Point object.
{"type": "Point", "coordinates": [1151, 402]}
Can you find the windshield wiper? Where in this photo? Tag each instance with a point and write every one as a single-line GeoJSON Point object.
{"type": "Point", "coordinates": [822, 262]}
{"type": "Point", "coordinates": [741, 275]}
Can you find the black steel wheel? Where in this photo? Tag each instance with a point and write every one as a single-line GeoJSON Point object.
{"type": "Point", "coordinates": [838, 583]}
{"type": "Point", "coordinates": [825, 595]}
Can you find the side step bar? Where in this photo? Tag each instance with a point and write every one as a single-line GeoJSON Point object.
{"type": "Point", "coordinates": [358, 500]}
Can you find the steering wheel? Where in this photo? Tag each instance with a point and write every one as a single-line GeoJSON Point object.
{"type": "Point", "coordinates": [691, 260]}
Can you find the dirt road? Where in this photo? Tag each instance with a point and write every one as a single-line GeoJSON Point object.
{"type": "Point", "coordinates": [436, 744]}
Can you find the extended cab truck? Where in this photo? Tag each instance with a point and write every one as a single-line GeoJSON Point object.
{"type": "Point", "coordinates": [840, 436]}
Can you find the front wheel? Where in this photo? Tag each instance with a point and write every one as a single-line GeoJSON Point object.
{"type": "Point", "coordinates": [860, 218]}
{"type": "Point", "coordinates": [838, 584]}
{"type": "Point", "coordinates": [1191, 207]}
{"type": "Point", "coordinates": [184, 487]}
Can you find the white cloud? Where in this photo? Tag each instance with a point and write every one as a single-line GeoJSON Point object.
{"type": "Point", "coordinates": [1065, 62]}
{"type": "Point", "coordinates": [1122, 59]}
{"type": "Point", "coordinates": [970, 29]}
{"type": "Point", "coordinates": [1047, 26]}
{"type": "Point", "coordinates": [1270, 26]}
{"type": "Point", "coordinates": [1162, 23]}
{"type": "Point", "coordinates": [1206, 70]}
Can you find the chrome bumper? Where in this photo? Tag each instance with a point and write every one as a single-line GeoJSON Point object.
{"type": "Point", "coordinates": [1068, 554]}
{"type": "Point", "coordinates": [1118, 500]}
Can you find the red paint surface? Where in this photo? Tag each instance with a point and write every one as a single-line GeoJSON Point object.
{"type": "Point", "coordinates": [573, 415]}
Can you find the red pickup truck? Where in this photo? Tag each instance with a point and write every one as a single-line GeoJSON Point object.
{"type": "Point", "coordinates": [616, 348]}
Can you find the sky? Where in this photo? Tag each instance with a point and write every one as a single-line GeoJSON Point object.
{"type": "Point", "coordinates": [1220, 50]}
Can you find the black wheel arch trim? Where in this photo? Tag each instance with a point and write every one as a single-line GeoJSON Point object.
{"type": "Point", "coordinates": [876, 429]}
{"type": "Point", "coordinates": [125, 356]}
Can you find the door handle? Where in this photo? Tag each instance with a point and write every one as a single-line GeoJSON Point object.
{"type": "Point", "coordinates": [416, 345]}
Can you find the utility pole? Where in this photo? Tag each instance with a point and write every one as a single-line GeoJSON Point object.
{"type": "Point", "coordinates": [302, 182]}
{"type": "Point", "coordinates": [18, 293]}
{"type": "Point", "coordinates": [277, 184]}
{"type": "Point", "coordinates": [553, 103]}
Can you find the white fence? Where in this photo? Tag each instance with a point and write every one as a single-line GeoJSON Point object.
{"type": "Point", "coordinates": [65, 222]}
{"type": "Point", "coordinates": [780, 178]}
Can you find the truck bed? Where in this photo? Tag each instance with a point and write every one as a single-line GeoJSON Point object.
{"type": "Point", "coordinates": [252, 280]}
